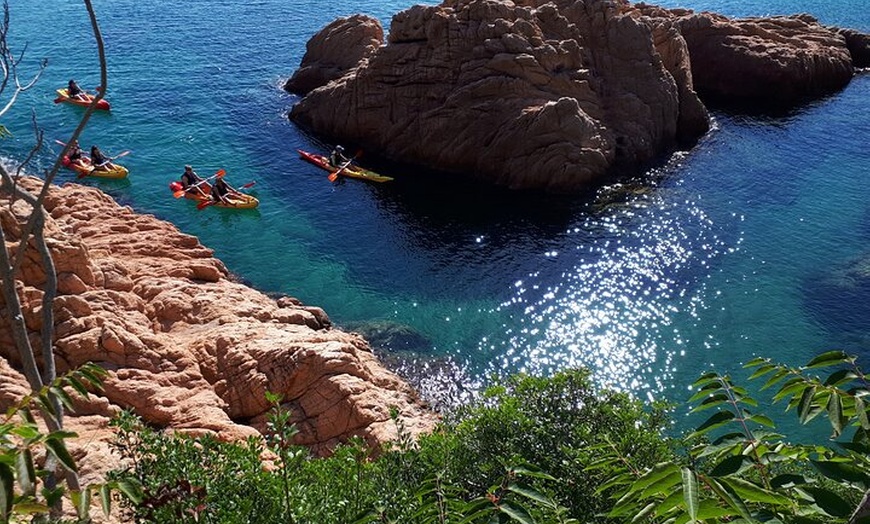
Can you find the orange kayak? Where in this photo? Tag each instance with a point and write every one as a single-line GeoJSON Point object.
{"type": "Point", "coordinates": [85, 100]}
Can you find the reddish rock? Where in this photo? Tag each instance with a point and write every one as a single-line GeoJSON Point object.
{"type": "Point", "coordinates": [523, 95]}
{"type": "Point", "coordinates": [328, 58]}
{"type": "Point", "coordinates": [779, 60]}
{"type": "Point", "coordinates": [185, 347]}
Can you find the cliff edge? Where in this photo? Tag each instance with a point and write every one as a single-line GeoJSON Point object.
{"type": "Point", "coordinates": [185, 346]}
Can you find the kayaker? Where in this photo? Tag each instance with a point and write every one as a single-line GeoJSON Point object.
{"type": "Point", "coordinates": [190, 180]}
{"type": "Point", "coordinates": [337, 158]}
{"type": "Point", "coordinates": [74, 91]}
{"type": "Point", "coordinates": [76, 155]}
{"type": "Point", "coordinates": [221, 190]}
{"type": "Point", "coordinates": [101, 161]}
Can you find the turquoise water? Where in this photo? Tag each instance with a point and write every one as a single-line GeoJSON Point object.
{"type": "Point", "coordinates": [702, 262]}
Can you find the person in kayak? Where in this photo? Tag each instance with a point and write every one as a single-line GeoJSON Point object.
{"type": "Point", "coordinates": [220, 191]}
{"type": "Point", "coordinates": [101, 161]}
{"type": "Point", "coordinates": [337, 158]}
{"type": "Point", "coordinates": [190, 181]}
{"type": "Point", "coordinates": [76, 155]}
{"type": "Point", "coordinates": [74, 91]}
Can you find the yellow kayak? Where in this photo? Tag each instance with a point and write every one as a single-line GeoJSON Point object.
{"type": "Point", "coordinates": [84, 168]}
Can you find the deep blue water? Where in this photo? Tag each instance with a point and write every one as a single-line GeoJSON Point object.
{"type": "Point", "coordinates": [716, 256]}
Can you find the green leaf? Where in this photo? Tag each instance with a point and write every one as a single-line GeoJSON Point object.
{"type": "Point", "coordinates": [729, 466]}
{"type": "Point", "coordinates": [26, 472]}
{"type": "Point", "coordinates": [806, 404]}
{"type": "Point", "coordinates": [830, 502]}
{"type": "Point", "coordinates": [775, 378]}
{"type": "Point", "coordinates": [654, 475]}
{"type": "Point", "coordinates": [62, 396]}
{"type": "Point", "coordinates": [529, 471]}
{"type": "Point", "coordinates": [26, 431]}
{"type": "Point", "coordinates": [712, 401]}
{"type": "Point", "coordinates": [7, 479]}
{"type": "Point", "coordinates": [840, 377]}
{"type": "Point", "coordinates": [729, 497]}
{"type": "Point", "coordinates": [83, 506]}
{"type": "Point", "coordinates": [754, 493]}
{"type": "Point", "coordinates": [764, 420]}
{"type": "Point", "coordinates": [690, 492]}
{"type": "Point", "coordinates": [842, 472]}
{"type": "Point", "coordinates": [705, 391]}
{"type": "Point", "coordinates": [57, 447]}
{"type": "Point", "coordinates": [517, 513]}
{"type": "Point", "coordinates": [672, 501]}
{"type": "Point", "coordinates": [106, 499]}
{"type": "Point", "coordinates": [835, 414]}
{"type": "Point", "coordinates": [642, 514]}
{"type": "Point", "coordinates": [29, 508]}
{"type": "Point", "coordinates": [716, 420]}
{"type": "Point", "coordinates": [131, 489]}
{"type": "Point", "coordinates": [788, 480]}
{"type": "Point", "coordinates": [829, 359]}
{"type": "Point", "coordinates": [761, 371]}
{"type": "Point", "coordinates": [861, 413]}
{"type": "Point", "coordinates": [77, 385]}
{"type": "Point", "coordinates": [532, 494]}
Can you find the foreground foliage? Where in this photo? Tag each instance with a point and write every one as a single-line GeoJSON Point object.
{"type": "Point", "coordinates": [748, 473]}
{"type": "Point", "coordinates": [485, 464]}
{"type": "Point", "coordinates": [25, 493]}
{"type": "Point", "coordinates": [550, 450]}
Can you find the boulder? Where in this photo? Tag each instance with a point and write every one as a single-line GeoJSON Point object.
{"type": "Point", "coordinates": [526, 96]}
{"type": "Point", "coordinates": [776, 60]}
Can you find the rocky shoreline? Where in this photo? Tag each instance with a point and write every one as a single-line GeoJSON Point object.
{"type": "Point", "coordinates": [558, 95]}
{"type": "Point", "coordinates": [186, 346]}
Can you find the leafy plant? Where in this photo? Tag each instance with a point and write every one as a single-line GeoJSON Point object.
{"type": "Point", "coordinates": [23, 490]}
{"type": "Point", "coordinates": [748, 472]}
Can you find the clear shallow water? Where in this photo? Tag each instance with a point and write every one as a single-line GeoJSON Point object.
{"type": "Point", "coordinates": [703, 262]}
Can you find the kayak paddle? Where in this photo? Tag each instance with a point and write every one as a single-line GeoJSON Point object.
{"type": "Point", "coordinates": [180, 193]}
{"type": "Point", "coordinates": [334, 175]}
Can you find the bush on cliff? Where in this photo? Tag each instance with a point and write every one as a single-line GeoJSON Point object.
{"type": "Point", "coordinates": [548, 450]}
{"type": "Point", "coordinates": [486, 461]}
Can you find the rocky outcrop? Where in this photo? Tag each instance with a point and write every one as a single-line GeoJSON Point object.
{"type": "Point", "coordinates": [859, 46]}
{"type": "Point", "coordinates": [555, 95]}
{"type": "Point", "coordinates": [185, 346]}
{"type": "Point", "coordinates": [523, 95]}
{"type": "Point", "coordinates": [776, 60]}
{"type": "Point", "coordinates": [337, 48]}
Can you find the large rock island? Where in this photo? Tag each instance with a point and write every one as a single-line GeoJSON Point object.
{"type": "Point", "coordinates": [186, 346]}
{"type": "Point", "coordinates": [551, 95]}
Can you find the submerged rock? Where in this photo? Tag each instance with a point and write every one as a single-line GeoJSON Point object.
{"type": "Point", "coordinates": [838, 298]}
{"type": "Point", "coordinates": [393, 336]}
{"type": "Point", "coordinates": [523, 95]}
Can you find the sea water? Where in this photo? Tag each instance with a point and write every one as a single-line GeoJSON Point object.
{"type": "Point", "coordinates": [708, 259]}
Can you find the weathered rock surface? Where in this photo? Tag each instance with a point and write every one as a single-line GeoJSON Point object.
{"type": "Point", "coordinates": [524, 95]}
{"type": "Point", "coordinates": [555, 95]}
{"type": "Point", "coordinates": [781, 60]}
{"type": "Point", "coordinates": [186, 347]}
{"type": "Point", "coordinates": [327, 56]}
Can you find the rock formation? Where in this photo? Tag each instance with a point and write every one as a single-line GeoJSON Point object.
{"type": "Point", "coordinates": [527, 96]}
{"type": "Point", "coordinates": [553, 95]}
{"type": "Point", "coordinates": [185, 346]}
{"type": "Point", "coordinates": [774, 60]}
